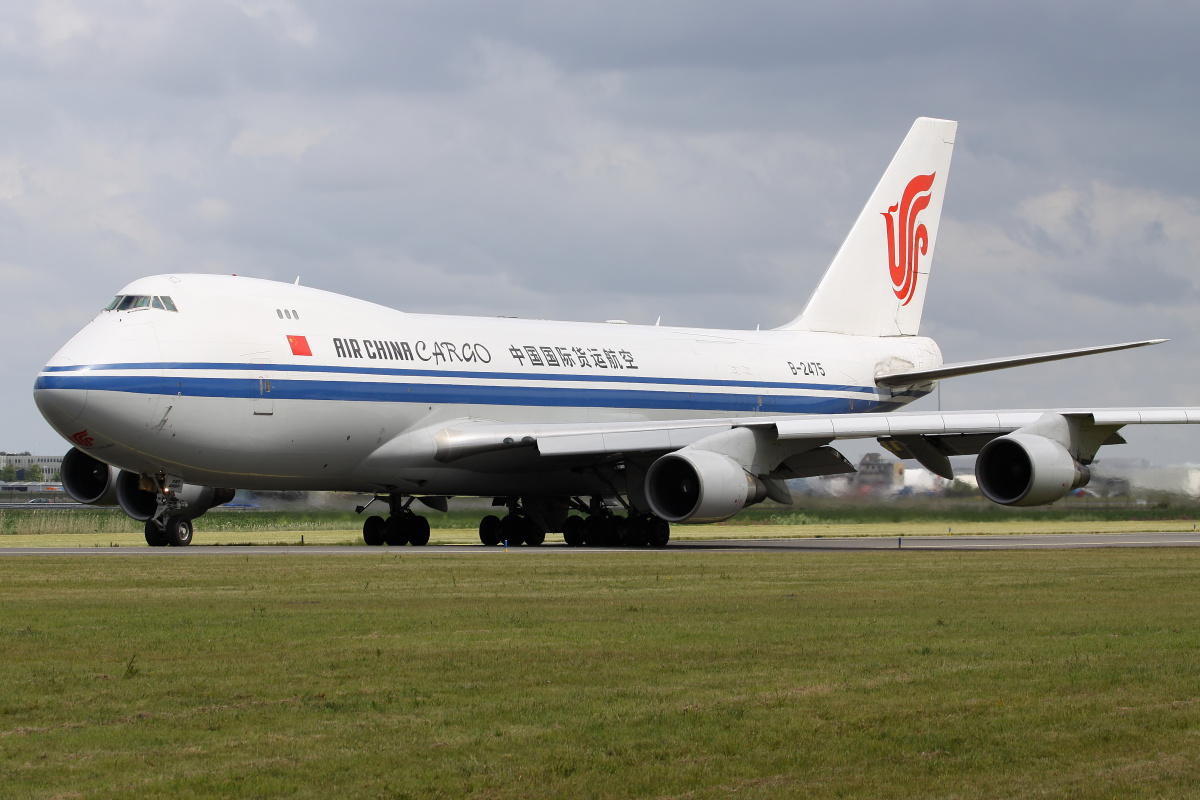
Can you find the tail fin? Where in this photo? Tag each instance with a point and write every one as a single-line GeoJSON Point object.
{"type": "Point", "coordinates": [876, 284]}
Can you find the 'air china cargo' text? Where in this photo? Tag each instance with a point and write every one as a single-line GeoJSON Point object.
{"type": "Point", "coordinates": [436, 352]}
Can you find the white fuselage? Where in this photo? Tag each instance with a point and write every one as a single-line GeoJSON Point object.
{"type": "Point", "coordinates": [218, 394]}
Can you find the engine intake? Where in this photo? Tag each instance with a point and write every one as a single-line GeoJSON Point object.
{"type": "Point", "coordinates": [89, 480]}
{"type": "Point", "coordinates": [1024, 469]}
{"type": "Point", "coordinates": [700, 486]}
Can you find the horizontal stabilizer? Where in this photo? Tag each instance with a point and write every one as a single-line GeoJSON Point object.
{"type": "Point", "coordinates": [917, 376]}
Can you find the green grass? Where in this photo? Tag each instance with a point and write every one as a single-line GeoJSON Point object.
{"type": "Point", "coordinates": [999, 674]}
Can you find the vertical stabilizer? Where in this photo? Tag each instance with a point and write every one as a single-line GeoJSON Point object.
{"type": "Point", "coordinates": [876, 284]}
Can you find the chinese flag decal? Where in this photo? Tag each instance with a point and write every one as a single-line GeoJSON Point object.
{"type": "Point", "coordinates": [299, 346]}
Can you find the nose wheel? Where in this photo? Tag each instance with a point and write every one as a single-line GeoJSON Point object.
{"type": "Point", "coordinates": [177, 532]}
{"type": "Point", "coordinates": [170, 524]}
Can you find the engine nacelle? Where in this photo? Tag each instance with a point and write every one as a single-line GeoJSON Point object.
{"type": "Point", "coordinates": [89, 480]}
{"type": "Point", "coordinates": [700, 486]}
{"type": "Point", "coordinates": [141, 504]}
{"type": "Point", "coordinates": [1024, 469]}
{"type": "Point", "coordinates": [92, 482]}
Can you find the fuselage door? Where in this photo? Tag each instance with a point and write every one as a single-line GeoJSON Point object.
{"type": "Point", "coordinates": [262, 400]}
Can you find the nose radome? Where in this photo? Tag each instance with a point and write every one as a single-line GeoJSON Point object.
{"type": "Point", "coordinates": [60, 393]}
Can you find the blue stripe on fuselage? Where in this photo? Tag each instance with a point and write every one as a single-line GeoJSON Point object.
{"type": "Point", "coordinates": [619, 377]}
{"type": "Point", "coordinates": [452, 393]}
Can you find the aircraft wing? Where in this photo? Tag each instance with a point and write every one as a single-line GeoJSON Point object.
{"type": "Point", "coordinates": [911, 377]}
{"type": "Point", "coordinates": [929, 437]}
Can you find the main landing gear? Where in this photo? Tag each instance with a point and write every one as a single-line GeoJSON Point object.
{"type": "Point", "coordinates": [598, 527]}
{"type": "Point", "coordinates": [513, 529]}
{"type": "Point", "coordinates": [401, 527]}
{"type": "Point", "coordinates": [614, 530]}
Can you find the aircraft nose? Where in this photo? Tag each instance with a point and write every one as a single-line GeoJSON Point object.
{"type": "Point", "coordinates": [60, 393]}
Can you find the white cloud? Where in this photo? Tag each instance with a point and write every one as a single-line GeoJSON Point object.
{"type": "Point", "coordinates": [290, 143]}
{"type": "Point", "coordinates": [599, 160]}
{"type": "Point", "coordinates": [283, 17]}
{"type": "Point", "coordinates": [59, 21]}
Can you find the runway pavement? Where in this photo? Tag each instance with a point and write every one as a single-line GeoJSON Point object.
{"type": "Point", "coordinates": [849, 544]}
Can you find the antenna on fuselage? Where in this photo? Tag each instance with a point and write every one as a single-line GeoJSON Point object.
{"type": "Point", "coordinates": [297, 281]}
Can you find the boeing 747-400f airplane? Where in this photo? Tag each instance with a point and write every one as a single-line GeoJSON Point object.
{"type": "Point", "coordinates": [188, 382]}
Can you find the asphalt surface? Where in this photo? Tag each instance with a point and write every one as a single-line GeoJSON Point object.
{"type": "Point", "coordinates": [850, 544]}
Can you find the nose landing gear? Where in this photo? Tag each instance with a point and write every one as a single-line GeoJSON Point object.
{"type": "Point", "coordinates": [168, 526]}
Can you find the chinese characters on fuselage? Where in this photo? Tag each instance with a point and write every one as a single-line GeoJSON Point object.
{"type": "Point", "coordinates": [586, 357]}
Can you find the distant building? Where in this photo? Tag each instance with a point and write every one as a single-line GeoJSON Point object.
{"type": "Point", "coordinates": [21, 461]}
{"type": "Point", "coordinates": [877, 474]}
{"type": "Point", "coordinates": [1138, 476]}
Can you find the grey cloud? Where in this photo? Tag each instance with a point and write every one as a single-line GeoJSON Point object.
{"type": "Point", "coordinates": [592, 160]}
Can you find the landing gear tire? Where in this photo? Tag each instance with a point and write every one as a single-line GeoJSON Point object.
{"type": "Point", "coordinates": [373, 531]}
{"type": "Point", "coordinates": [612, 530]}
{"type": "Point", "coordinates": [634, 532]}
{"type": "Point", "coordinates": [155, 536]}
{"type": "Point", "coordinates": [658, 532]}
{"type": "Point", "coordinates": [512, 530]}
{"type": "Point", "coordinates": [573, 531]}
{"type": "Point", "coordinates": [395, 532]}
{"type": "Point", "coordinates": [593, 531]}
{"type": "Point", "coordinates": [418, 531]}
{"type": "Point", "coordinates": [534, 536]}
{"type": "Point", "coordinates": [489, 530]}
{"type": "Point", "coordinates": [179, 531]}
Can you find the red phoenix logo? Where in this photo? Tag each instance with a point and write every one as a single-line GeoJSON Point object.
{"type": "Point", "coordinates": [913, 239]}
{"type": "Point", "coordinates": [81, 438]}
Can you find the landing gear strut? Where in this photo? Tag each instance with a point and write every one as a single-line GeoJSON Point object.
{"type": "Point", "coordinates": [169, 525]}
{"type": "Point", "coordinates": [401, 527]}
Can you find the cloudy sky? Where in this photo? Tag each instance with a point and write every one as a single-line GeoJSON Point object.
{"type": "Point", "coordinates": [591, 160]}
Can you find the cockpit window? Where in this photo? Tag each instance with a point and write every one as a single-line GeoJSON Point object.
{"type": "Point", "coordinates": [133, 301]}
{"type": "Point", "coordinates": [125, 302]}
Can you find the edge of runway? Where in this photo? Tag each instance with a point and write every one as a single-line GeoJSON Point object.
{"type": "Point", "coordinates": [1059, 541]}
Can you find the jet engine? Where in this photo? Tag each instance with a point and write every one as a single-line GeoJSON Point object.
{"type": "Point", "coordinates": [700, 486]}
{"type": "Point", "coordinates": [1024, 469]}
{"type": "Point", "coordinates": [89, 480]}
{"type": "Point", "coordinates": [141, 504]}
{"type": "Point", "coordinates": [95, 483]}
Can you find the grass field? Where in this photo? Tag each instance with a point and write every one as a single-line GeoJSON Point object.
{"type": "Point", "coordinates": [637, 674]}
